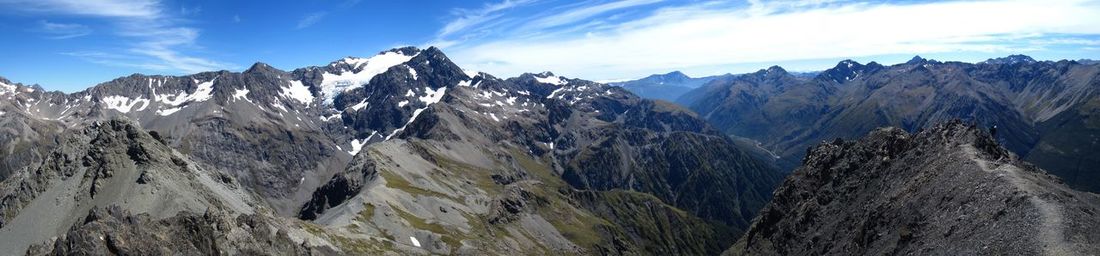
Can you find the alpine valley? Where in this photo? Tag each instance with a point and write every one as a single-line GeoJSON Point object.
{"type": "Point", "coordinates": [406, 153]}
{"type": "Point", "coordinates": [1046, 112]}
{"type": "Point", "coordinates": [400, 153]}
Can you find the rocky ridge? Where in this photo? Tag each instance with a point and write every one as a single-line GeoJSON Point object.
{"type": "Point", "coordinates": [946, 190]}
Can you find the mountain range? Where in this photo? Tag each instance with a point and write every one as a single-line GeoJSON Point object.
{"type": "Point", "coordinates": [668, 87]}
{"type": "Point", "coordinates": [403, 152]}
{"type": "Point", "coordinates": [406, 153]}
{"type": "Point", "coordinates": [1043, 111]}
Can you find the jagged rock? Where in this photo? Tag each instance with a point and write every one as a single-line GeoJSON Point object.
{"type": "Point", "coordinates": [950, 189]}
{"type": "Point", "coordinates": [114, 231]}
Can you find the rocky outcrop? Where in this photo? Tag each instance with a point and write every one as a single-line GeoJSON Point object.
{"type": "Point", "coordinates": [947, 190]}
{"type": "Point", "coordinates": [109, 164]}
{"type": "Point", "coordinates": [114, 231]}
{"type": "Point", "coordinates": [341, 187]}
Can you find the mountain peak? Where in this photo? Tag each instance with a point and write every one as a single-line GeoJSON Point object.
{"type": "Point", "coordinates": [677, 74]}
{"type": "Point", "coordinates": [772, 71]}
{"type": "Point", "coordinates": [916, 60]}
{"type": "Point", "coordinates": [410, 50]}
{"type": "Point", "coordinates": [1010, 59]}
{"type": "Point", "coordinates": [847, 70]}
{"type": "Point", "coordinates": [260, 67]}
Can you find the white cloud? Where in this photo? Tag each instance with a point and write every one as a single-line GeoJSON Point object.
{"type": "Point", "coordinates": [721, 34]}
{"type": "Point", "coordinates": [310, 19]}
{"type": "Point", "coordinates": [156, 38]}
{"type": "Point", "coordinates": [104, 8]}
{"type": "Point", "coordinates": [468, 21]}
{"type": "Point", "coordinates": [62, 30]}
{"type": "Point", "coordinates": [582, 13]}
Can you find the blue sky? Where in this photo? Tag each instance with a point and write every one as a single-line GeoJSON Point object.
{"type": "Point", "coordinates": [70, 45]}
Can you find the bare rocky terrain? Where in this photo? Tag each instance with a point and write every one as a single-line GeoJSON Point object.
{"type": "Point", "coordinates": [403, 153]}
{"type": "Point", "coordinates": [947, 190]}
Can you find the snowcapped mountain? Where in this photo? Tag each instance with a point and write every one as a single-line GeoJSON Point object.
{"type": "Point", "coordinates": [400, 152]}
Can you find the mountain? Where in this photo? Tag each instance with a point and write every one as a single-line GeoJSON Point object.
{"type": "Point", "coordinates": [946, 190]}
{"type": "Point", "coordinates": [403, 152]}
{"type": "Point", "coordinates": [1039, 107]}
{"type": "Point", "coordinates": [667, 87]}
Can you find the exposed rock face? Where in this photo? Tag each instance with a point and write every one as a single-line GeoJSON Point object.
{"type": "Point", "coordinates": [109, 163]}
{"type": "Point", "coordinates": [113, 231]}
{"type": "Point", "coordinates": [947, 190]}
{"type": "Point", "coordinates": [400, 153]}
{"type": "Point", "coordinates": [532, 157]}
{"type": "Point", "coordinates": [24, 140]}
{"type": "Point", "coordinates": [1036, 105]}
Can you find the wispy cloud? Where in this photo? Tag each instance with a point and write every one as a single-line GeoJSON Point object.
{"type": "Point", "coordinates": [614, 39]}
{"type": "Point", "coordinates": [310, 19]}
{"type": "Point", "coordinates": [157, 38]}
{"type": "Point", "coordinates": [62, 30]}
{"type": "Point", "coordinates": [582, 13]}
{"type": "Point", "coordinates": [114, 8]}
{"type": "Point", "coordinates": [469, 20]}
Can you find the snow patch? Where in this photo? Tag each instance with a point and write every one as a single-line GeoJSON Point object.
{"type": "Point", "coordinates": [413, 72]}
{"type": "Point", "coordinates": [555, 92]}
{"type": "Point", "coordinates": [204, 92]}
{"type": "Point", "coordinates": [124, 104]}
{"type": "Point", "coordinates": [433, 96]}
{"type": "Point", "coordinates": [326, 119]}
{"type": "Point", "coordinates": [333, 84]}
{"type": "Point", "coordinates": [167, 112]}
{"type": "Point", "coordinates": [357, 145]}
{"type": "Point", "coordinates": [298, 91]}
{"type": "Point", "coordinates": [403, 103]}
{"type": "Point", "coordinates": [6, 88]}
{"type": "Point", "coordinates": [554, 80]}
{"type": "Point", "coordinates": [241, 94]}
{"type": "Point", "coordinates": [360, 105]}
{"type": "Point", "coordinates": [414, 241]}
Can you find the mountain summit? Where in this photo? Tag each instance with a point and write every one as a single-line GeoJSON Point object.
{"type": "Point", "coordinates": [403, 152]}
{"type": "Point", "coordinates": [667, 87]}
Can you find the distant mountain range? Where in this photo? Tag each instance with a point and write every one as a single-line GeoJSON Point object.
{"type": "Point", "coordinates": [671, 86]}
{"type": "Point", "coordinates": [667, 87]}
{"type": "Point", "coordinates": [407, 153]}
{"type": "Point", "coordinates": [403, 152]}
{"type": "Point", "coordinates": [1044, 111]}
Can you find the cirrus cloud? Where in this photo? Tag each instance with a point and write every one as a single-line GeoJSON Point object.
{"type": "Point", "coordinates": [635, 40]}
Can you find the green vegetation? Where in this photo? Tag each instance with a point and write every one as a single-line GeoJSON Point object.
{"type": "Point", "coordinates": [366, 214]}
{"type": "Point", "coordinates": [452, 239]}
{"type": "Point", "coordinates": [481, 177]}
{"type": "Point", "coordinates": [396, 182]}
{"type": "Point", "coordinates": [350, 245]}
